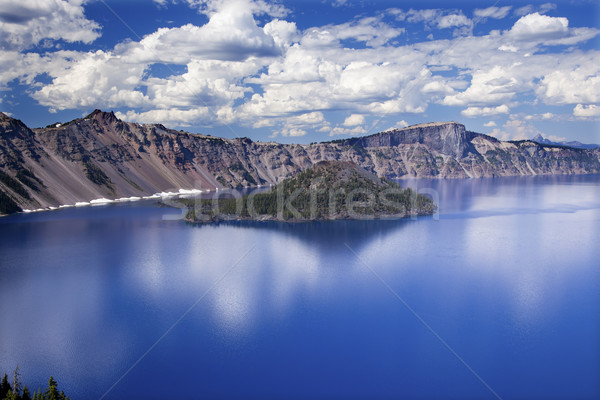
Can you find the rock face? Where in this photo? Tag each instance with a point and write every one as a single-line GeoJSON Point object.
{"type": "Point", "coordinates": [447, 138]}
{"type": "Point", "coordinates": [102, 156]}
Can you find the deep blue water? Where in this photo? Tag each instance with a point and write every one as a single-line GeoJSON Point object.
{"type": "Point", "coordinates": [499, 298]}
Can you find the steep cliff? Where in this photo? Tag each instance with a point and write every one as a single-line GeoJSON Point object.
{"type": "Point", "coordinates": [102, 156]}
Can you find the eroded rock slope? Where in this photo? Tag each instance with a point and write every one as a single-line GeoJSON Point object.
{"type": "Point", "coordinates": [102, 156]}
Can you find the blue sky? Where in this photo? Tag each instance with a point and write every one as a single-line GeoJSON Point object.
{"type": "Point", "coordinates": [305, 71]}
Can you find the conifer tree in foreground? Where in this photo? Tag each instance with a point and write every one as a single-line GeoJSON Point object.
{"type": "Point", "coordinates": [18, 391]}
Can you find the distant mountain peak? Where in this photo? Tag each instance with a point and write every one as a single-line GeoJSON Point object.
{"type": "Point", "coordinates": [102, 116]}
{"type": "Point", "coordinates": [7, 118]}
{"type": "Point", "coordinates": [8, 121]}
{"type": "Point", "coordinates": [578, 145]}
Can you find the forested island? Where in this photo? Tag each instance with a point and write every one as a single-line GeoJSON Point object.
{"type": "Point", "coordinates": [329, 190]}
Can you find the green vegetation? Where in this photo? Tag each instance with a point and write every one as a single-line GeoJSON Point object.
{"type": "Point", "coordinates": [95, 174]}
{"type": "Point", "coordinates": [27, 177]}
{"type": "Point", "coordinates": [498, 158]}
{"type": "Point", "coordinates": [8, 205]}
{"type": "Point", "coordinates": [379, 154]}
{"type": "Point", "coordinates": [528, 142]}
{"type": "Point", "coordinates": [132, 183]}
{"type": "Point", "coordinates": [17, 391]}
{"type": "Point", "coordinates": [217, 140]}
{"type": "Point", "coordinates": [328, 190]}
{"type": "Point", "coordinates": [239, 169]}
{"type": "Point", "coordinates": [14, 185]}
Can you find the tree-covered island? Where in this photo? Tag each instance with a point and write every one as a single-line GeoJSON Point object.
{"type": "Point", "coordinates": [328, 190]}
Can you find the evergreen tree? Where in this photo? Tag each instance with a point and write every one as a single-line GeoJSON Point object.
{"type": "Point", "coordinates": [10, 395]}
{"type": "Point", "coordinates": [17, 385]}
{"type": "Point", "coordinates": [38, 395]}
{"type": "Point", "coordinates": [52, 392]}
{"type": "Point", "coordinates": [26, 395]}
{"type": "Point", "coordinates": [4, 387]}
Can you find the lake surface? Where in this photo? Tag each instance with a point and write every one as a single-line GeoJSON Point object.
{"type": "Point", "coordinates": [497, 297]}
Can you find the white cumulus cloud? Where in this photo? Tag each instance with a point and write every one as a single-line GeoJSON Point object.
{"type": "Point", "coordinates": [436, 18]}
{"type": "Point", "coordinates": [578, 81]}
{"type": "Point", "coordinates": [590, 110]}
{"type": "Point", "coordinates": [340, 130]}
{"type": "Point", "coordinates": [274, 74]}
{"type": "Point", "coordinates": [25, 23]}
{"type": "Point", "coordinates": [297, 125]}
{"type": "Point", "coordinates": [485, 111]}
{"type": "Point", "coordinates": [93, 78]}
{"type": "Point", "coordinates": [231, 35]}
{"type": "Point", "coordinates": [354, 119]}
{"type": "Point", "coordinates": [536, 26]}
{"type": "Point", "coordinates": [449, 21]}
{"type": "Point", "coordinates": [257, 7]}
{"type": "Point", "coordinates": [488, 86]}
{"type": "Point", "coordinates": [370, 30]}
{"type": "Point", "coordinates": [516, 129]}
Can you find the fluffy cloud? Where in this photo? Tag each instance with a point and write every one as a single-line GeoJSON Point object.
{"type": "Point", "coordinates": [542, 116]}
{"type": "Point", "coordinates": [230, 35]}
{"type": "Point", "coordinates": [93, 78]}
{"type": "Point", "coordinates": [485, 111]}
{"type": "Point", "coordinates": [438, 86]}
{"type": "Point", "coordinates": [287, 131]}
{"type": "Point", "coordinates": [577, 82]}
{"type": "Point", "coordinates": [319, 74]}
{"type": "Point", "coordinates": [296, 125]}
{"type": "Point", "coordinates": [537, 26]}
{"type": "Point", "coordinates": [449, 21]}
{"type": "Point", "coordinates": [354, 119]}
{"type": "Point", "coordinates": [169, 116]}
{"type": "Point", "coordinates": [490, 124]}
{"type": "Point", "coordinates": [370, 30]}
{"type": "Point", "coordinates": [216, 56]}
{"type": "Point", "coordinates": [436, 19]}
{"type": "Point", "coordinates": [211, 7]}
{"type": "Point", "coordinates": [399, 125]}
{"type": "Point", "coordinates": [25, 23]}
{"type": "Point", "coordinates": [591, 110]}
{"type": "Point", "coordinates": [496, 85]}
{"type": "Point", "coordinates": [338, 130]}
{"type": "Point", "coordinates": [515, 129]}
{"type": "Point", "coordinates": [284, 33]}
{"type": "Point", "coordinates": [492, 12]}
{"type": "Point", "coordinates": [231, 70]}
{"type": "Point", "coordinates": [535, 29]}
{"type": "Point", "coordinates": [555, 138]}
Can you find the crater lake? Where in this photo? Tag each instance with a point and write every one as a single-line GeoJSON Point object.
{"type": "Point", "coordinates": [497, 296]}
